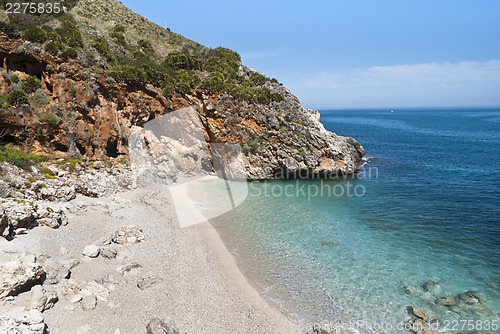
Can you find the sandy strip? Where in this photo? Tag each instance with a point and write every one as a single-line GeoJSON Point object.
{"type": "Point", "coordinates": [200, 287]}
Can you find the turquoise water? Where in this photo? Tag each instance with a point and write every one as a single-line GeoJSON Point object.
{"type": "Point", "coordinates": [427, 208]}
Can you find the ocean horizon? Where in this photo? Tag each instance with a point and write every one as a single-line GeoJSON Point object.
{"type": "Point", "coordinates": [418, 227]}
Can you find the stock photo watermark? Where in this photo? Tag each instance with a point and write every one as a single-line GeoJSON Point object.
{"type": "Point", "coordinates": [317, 185]}
{"type": "Point", "coordinates": [207, 180]}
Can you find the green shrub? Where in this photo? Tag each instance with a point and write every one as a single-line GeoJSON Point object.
{"type": "Point", "coordinates": [5, 27]}
{"type": "Point", "coordinates": [119, 38]}
{"type": "Point", "coordinates": [41, 97]}
{"type": "Point", "coordinates": [14, 78]}
{"type": "Point", "coordinates": [102, 47]}
{"type": "Point", "coordinates": [146, 46]}
{"type": "Point", "coordinates": [128, 73]}
{"type": "Point", "coordinates": [17, 98]}
{"type": "Point", "coordinates": [258, 79]}
{"type": "Point", "coordinates": [31, 83]}
{"type": "Point", "coordinates": [53, 36]}
{"type": "Point", "coordinates": [215, 83]}
{"type": "Point", "coordinates": [184, 82]}
{"type": "Point", "coordinates": [54, 47]}
{"type": "Point", "coordinates": [34, 34]}
{"type": "Point", "coordinates": [118, 29]}
{"type": "Point", "coordinates": [19, 158]}
{"type": "Point", "coordinates": [70, 34]}
{"type": "Point", "coordinates": [70, 53]}
{"type": "Point", "coordinates": [72, 164]}
{"type": "Point", "coordinates": [183, 61]}
{"type": "Point", "coordinates": [51, 120]}
{"type": "Point", "coordinates": [49, 174]}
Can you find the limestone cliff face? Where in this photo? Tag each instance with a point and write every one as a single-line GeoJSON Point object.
{"type": "Point", "coordinates": [90, 116]}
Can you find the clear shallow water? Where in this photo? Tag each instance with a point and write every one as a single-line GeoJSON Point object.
{"type": "Point", "coordinates": [433, 213]}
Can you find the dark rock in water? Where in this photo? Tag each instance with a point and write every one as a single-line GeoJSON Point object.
{"type": "Point", "coordinates": [158, 326]}
{"type": "Point", "coordinates": [429, 286]}
{"type": "Point", "coordinates": [329, 243]}
{"type": "Point", "coordinates": [421, 314]}
{"type": "Point", "coordinates": [412, 291]}
{"type": "Point", "coordinates": [470, 298]}
{"type": "Point", "coordinates": [446, 301]}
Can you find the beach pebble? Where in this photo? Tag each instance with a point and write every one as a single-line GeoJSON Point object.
{"type": "Point", "coordinates": [128, 268]}
{"type": "Point", "coordinates": [89, 303]}
{"type": "Point", "coordinates": [91, 251]}
{"type": "Point", "coordinates": [75, 299]}
{"type": "Point", "coordinates": [147, 282]}
{"type": "Point", "coordinates": [109, 252]}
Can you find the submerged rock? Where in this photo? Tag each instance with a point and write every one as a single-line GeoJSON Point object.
{"type": "Point", "coordinates": [470, 298]}
{"type": "Point", "coordinates": [446, 301]}
{"type": "Point", "coordinates": [421, 314]}
{"type": "Point", "coordinates": [429, 286]}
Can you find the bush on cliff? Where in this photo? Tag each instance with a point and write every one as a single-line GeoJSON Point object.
{"type": "Point", "coordinates": [17, 98]}
{"type": "Point", "coordinates": [102, 47]}
{"type": "Point", "coordinates": [128, 73]}
{"type": "Point", "coordinates": [70, 34]}
{"type": "Point", "coordinates": [51, 119]}
{"type": "Point", "coordinates": [34, 34]}
{"type": "Point", "coordinates": [41, 97]}
{"type": "Point", "coordinates": [19, 158]}
{"type": "Point", "coordinates": [31, 83]}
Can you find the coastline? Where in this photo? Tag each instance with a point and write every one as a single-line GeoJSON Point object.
{"type": "Point", "coordinates": [196, 281]}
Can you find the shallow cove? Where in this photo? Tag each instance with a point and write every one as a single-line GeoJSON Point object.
{"type": "Point", "coordinates": [430, 215]}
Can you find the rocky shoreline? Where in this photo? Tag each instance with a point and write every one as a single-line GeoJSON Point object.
{"type": "Point", "coordinates": [93, 253]}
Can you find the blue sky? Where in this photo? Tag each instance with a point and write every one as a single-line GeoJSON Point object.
{"type": "Point", "coordinates": [354, 53]}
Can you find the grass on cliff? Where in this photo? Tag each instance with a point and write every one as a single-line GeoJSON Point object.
{"type": "Point", "coordinates": [19, 158]}
{"type": "Point", "coordinates": [136, 51]}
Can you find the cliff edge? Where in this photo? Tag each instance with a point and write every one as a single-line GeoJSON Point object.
{"type": "Point", "coordinates": [75, 88]}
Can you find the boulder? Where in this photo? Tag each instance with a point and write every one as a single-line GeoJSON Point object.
{"type": "Point", "coordinates": [41, 299]}
{"type": "Point", "coordinates": [159, 326]}
{"type": "Point", "coordinates": [16, 276]}
{"type": "Point", "coordinates": [22, 321]}
{"type": "Point", "coordinates": [91, 251]}
{"type": "Point", "coordinates": [56, 269]}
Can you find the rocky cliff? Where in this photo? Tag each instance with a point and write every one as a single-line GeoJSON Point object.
{"type": "Point", "coordinates": [69, 103]}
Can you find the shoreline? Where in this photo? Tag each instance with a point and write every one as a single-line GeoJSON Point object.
{"type": "Point", "coordinates": [193, 278]}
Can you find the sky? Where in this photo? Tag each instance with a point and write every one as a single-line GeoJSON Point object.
{"type": "Point", "coordinates": [354, 53]}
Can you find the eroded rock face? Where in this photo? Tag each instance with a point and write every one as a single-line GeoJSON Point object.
{"type": "Point", "coordinates": [18, 273]}
{"type": "Point", "coordinates": [22, 321]}
{"type": "Point", "coordinates": [17, 216]}
{"type": "Point", "coordinates": [278, 139]}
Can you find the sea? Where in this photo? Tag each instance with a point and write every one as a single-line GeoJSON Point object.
{"type": "Point", "coordinates": [418, 224]}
